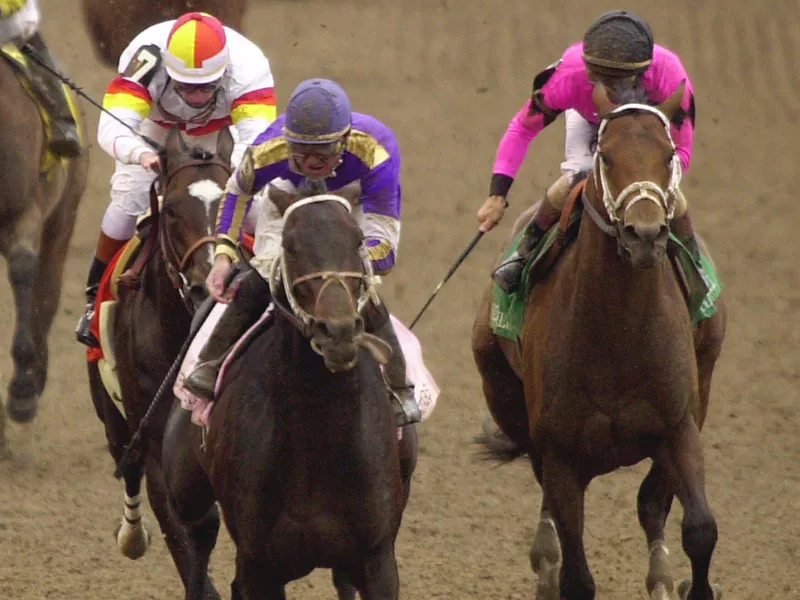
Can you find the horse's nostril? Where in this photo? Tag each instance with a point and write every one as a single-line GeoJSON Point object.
{"type": "Point", "coordinates": [646, 233]}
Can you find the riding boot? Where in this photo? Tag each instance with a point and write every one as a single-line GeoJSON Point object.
{"type": "Point", "coordinates": [684, 231]}
{"type": "Point", "coordinates": [82, 333]}
{"type": "Point", "coordinates": [65, 139]}
{"type": "Point", "coordinates": [406, 409]}
{"type": "Point", "coordinates": [508, 274]}
{"type": "Point", "coordinates": [240, 314]}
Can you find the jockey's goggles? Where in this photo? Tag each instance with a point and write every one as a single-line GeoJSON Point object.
{"type": "Point", "coordinates": [323, 152]}
{"type": "Point", "coordinates": [188, 88]}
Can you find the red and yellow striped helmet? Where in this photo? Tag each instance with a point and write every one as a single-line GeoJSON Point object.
{"type": "Point", "coordinates": [197, 49]}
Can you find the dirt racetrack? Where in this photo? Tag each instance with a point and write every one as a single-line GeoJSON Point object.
{"type": "Point", "coordinates": [447, 76]}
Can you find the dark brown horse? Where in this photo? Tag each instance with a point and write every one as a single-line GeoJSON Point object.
{"type": "Point", "coordinates": [37, 217]}
{"type": "Point", "coordinates": [150, 325]}
{"type": "Point", "coordinates": [302, 450]}
{"type": "Point", "coordinates": [113, 24]}
{"type": "Point", "coordinates": [610, 371]}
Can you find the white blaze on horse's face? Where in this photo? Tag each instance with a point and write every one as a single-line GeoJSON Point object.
{"type": "Point", "coordinates": [207, 192]}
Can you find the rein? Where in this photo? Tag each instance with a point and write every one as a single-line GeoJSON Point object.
{"type": "Point", "coordinates": [176, 262]}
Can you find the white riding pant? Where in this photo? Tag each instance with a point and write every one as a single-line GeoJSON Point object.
{"type": "Point", "coordinates": [22, 24]}
{"type": "Point", "coordinates": [580, 143]}
{"type": "Point", "coordinates": [130, 184]}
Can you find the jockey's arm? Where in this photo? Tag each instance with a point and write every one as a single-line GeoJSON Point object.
{"type": "Point", "coordinates": [130, 102]}
{"type": "Point", "coordinates": [380, 223]}
{"type": "Point", "coordinates": [546, 103]}
{"type": "Point", "coordinates": [248, 179]}
{"type": "Point", "coordinates": [683, 130]}
{"type": "Point", "coordinates": [254, 107]}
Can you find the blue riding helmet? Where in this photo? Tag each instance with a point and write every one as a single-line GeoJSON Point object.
{"type": "Point", "coordinates": [318, 113]}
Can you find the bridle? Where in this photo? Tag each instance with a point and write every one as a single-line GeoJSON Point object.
{"type": "Point", "coordinates": [279, 275]}
{"type": "Point", "coordinates": [638, 190]}
{"type": "Point", "coordinates": [176, 263]}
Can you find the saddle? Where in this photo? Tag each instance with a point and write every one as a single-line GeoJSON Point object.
{"type": "Point", "coordinates": [22, 67]}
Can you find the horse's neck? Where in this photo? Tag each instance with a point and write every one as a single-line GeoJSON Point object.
{"type": "Point", "coordinates": [319, 393]}
{"type": "Point", "coordinates": [169, 307]}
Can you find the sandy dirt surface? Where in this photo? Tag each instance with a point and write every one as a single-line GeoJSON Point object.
{"type": "Point", "coordinates": [447, 75]}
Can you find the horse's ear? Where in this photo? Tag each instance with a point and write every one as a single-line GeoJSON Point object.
{"type": "Point", "coordinates": [225, 144]}
{"type": "Point", "coordinates": [175, 144]}
{"type": "Point", "coordinates": [282, 199]}
{"type": "Point", "coordinates": [601, 100]}
{"type": "Point", "coordinates": [672, 105]}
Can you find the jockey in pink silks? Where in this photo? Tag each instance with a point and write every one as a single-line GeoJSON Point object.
{"type": "Point", "coordinates": [617, 51]}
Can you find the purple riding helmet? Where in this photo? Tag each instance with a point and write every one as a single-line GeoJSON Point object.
{"type": "Point", "coordinates": [318, 113]}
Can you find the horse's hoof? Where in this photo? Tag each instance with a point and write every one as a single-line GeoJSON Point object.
{"type": "Point", "coordinates": [133, 540]}
{"type": "Point", "coordinates": [685, 587]}
{"type": "Point", "coordinates": [23, 409]}
{"type": "Point", "coordinates": [547, 582]}
{"type": "Point", "coordinates": [660, 592]}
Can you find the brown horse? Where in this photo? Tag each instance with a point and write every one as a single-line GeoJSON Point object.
{"type": "Point", "coordinates": [37, 217]}
{"type": "Point", "coordinates": [152, 321]}
{"type": "Point", "coordinates": [610, 371]}
{"type": "Point", "coordinates": [112, 24]}
{"type": "Point", "coordinates": [302, 450]}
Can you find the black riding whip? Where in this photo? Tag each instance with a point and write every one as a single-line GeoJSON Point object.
{"type": "Point", "coordinates": [31, 53]}
{"type": "Point", "coordinates": [449, 274]}
{"type": "Point", "coordinates": [197, 322]}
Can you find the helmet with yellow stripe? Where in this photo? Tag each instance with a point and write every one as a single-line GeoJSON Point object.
{"type": "Point", "coordinates": [197, 49]}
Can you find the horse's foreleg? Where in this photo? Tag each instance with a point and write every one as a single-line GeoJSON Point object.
{"type": "Point", "coordinates": [545, 555]}
{"type": "Point", "coordinates": [254, 581]}
{"type": "Point", "coordinates": [23, 264]}
{"type": "Point", "coordinates": [564, 492]}
{"type": "Point", "coordinates": [698, 528]}
{"type": "Point", "coordinates": [381, 580]}
{"type": "Point", "coordinates": [183, 500]}
{"type": "Point", "coordinates": [345, 590]}
{"type": "Point", "coordinates": [132, 534]}
{"type": "Point", "coordinates": [654, 502]}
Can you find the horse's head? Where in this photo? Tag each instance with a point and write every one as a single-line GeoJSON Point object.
{"type": "Point", "coordinates": [637, 172]}
{"type": "Point", "coordinates": [327, 278]}
{"type": "Point", "coordinates": [193, 184]}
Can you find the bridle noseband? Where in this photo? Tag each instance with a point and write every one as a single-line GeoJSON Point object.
{"type": "Point", "coordinates": [176, 263]}
{"type": "Point", "coordinates": [638, 190]}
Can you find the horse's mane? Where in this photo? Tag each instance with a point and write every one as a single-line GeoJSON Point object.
{"type": "Point", "coordinates": [625, 94]}
{"type": "Point", "coordinates": [198, 153]}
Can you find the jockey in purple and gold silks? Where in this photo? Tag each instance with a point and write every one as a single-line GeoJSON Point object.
{"type": "Point", "coordinates": [319, 143]}
{"type": "Point", "coordinates": [369, 156]}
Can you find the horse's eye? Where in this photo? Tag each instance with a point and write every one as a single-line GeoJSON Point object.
{"type": "Point", "coordinates": [670, 158]}
{"type": "Point", "coordinates": [605, 161]}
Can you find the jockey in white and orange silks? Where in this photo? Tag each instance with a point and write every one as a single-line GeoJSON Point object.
{"type": "Point", "coordinates": [192, 72]}
{"type": "Point", "coordinates": [617, 51]}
